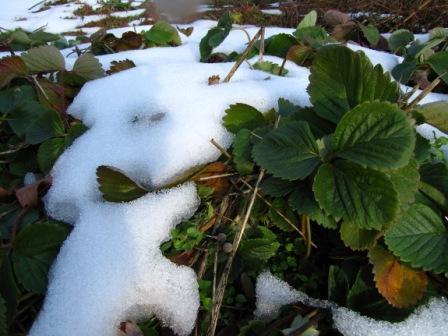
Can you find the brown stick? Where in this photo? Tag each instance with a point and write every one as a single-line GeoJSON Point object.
{"type": "Point", "coordinates": [217, 300]}
{"type": "Point", "coordinates": [243, 56]}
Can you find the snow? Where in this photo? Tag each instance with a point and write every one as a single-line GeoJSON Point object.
{"type": "Point", "coordinates": [154, 122]}
{"type": "Point", "coordinates": [272, 11]}
{"type": "Point", "coordinates": [429, 320]}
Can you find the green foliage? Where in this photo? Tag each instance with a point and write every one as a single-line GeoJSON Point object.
{"type": "Point", "coordinates": [115, 186]}
{"type": "Point", "coordinates": [242, 116]}
{"type": "Point", "coordinates": [162, 34]}
{"type": "Point", "coordinates": [3, 322]}
{"type": "Point", "coordinates": [215, 37]}
{"type": "Point", "coordinates": [399, 39]}
{"type": "Point", "coordinates": [341, 79]}
{"type": "Point", "coordinates": [420, 238]}
{"type": "Point", "coordinates": [21, 40]}
{"type": "Point", "coordinates": [270, 67]}
{"type": "Point", "coordinates": [262, 248]}
{"type": "Point", "coordinates": [436, 114]}
{"type": "Point", "coordinates": [33, 252]}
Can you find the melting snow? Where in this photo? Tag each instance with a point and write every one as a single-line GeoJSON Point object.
{"type": "Point", "coordinates": [428, 320]}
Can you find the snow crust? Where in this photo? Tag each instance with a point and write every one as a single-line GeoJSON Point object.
{"type": "Point", "coordinates": [428, 320]}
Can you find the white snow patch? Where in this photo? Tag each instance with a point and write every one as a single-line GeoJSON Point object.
{"type": "Point", "coordinates": [272, 11]}
{"type": "Point", "coordinates": [428, 320]}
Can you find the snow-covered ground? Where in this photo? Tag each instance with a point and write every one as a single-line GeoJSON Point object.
{"type": "Point", "coordinates": [154, 122]}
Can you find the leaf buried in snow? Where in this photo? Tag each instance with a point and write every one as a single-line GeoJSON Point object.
{"type": "Point", "coordinates": [341, 79]}
{"type": "Point", "coordinates": [88, 67]}
{"type": "Point", "coordinates": [162, 34]}
{"type": "Point", "coordinates": [129, 328]}
{"type": "Point", "coordinates": [117, 66]}
{"type": "Point", "coordinates": [116, 187]}
{"type": "Point", "coordinates": [375, 134]}
{"type": "Point", "coordinates": [420, 238]}
{"type": "Point", "coordinates": [400, 285]}
{"type": "Point", "coordinates": [44, 59]}
{"type": "Point", "coordinates": [289, 152]}
{"type": "Point", "coordinates": [186, 31]}
{"type": "Point", "coordinates": [363, 196]}
{"type": "Point", "coordinates": [270, 67]}
{"type": "Point", "coordinates": [11, 67]}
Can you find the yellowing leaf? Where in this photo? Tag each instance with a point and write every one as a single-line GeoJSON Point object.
{"type": "Point", "coordinates": [210, 177]}
{"type": "Point", "coordinates": [400, 285]}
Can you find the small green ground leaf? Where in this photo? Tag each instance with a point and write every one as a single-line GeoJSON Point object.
{"type": "Point", "coordinates": [88, 67]}
{"type": "Point", "coordinates": [400, 285]}
{"type": "Point", "coordinates": [439, 63]}
{"type": "Point", "coordinates": [308, 20]}
{"type": "Point", "coordinates": [48, 153]}
{"type": "Point", "coordinates": [239, 116]}
{"type": "Point", "coordinates": [371, 34]}
{"type": "Point", "coordinates": [357, 238]}
{"type": "Point", "coordinates": [436, 114]}
{"type": "Point", "coordinates": [44, 59]}
{"type": "Point", "coordinates": [359, 195]}
{"type": "Point", "coordinates": [116, 186]}
{"type": "Point", "coordinates": [341, 79]}
{"type": "Point", "coordinates": [162, 33]}
{"type": "Point", "coordinates": [289, 152]}
{"type": "Point", "coordinates": [258, 248]}
{"type": "Point", "coordinates": [420, 238]}
{"type": "Point", "coordinates": [406, 181]}
{"type": "Point", "coordinates": [279, 45]}
{"type": "Point", "coordinates": [11, 67]}
{"type": "Point", "coordinates": [376, 135]}
{"type": "Point", "coordinates": [400, 39]}
{"type": "Point", "coordinates": [270, 67]}
{"type": "Point", "coordinates": [33, 252]}
{"type": "Point", "coordinates": [242, 149]}
{"type": "Point", "coordinates": [302, 200]}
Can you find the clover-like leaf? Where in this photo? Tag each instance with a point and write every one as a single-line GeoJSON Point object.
{"type": "Point", "coordinates": [420, 238]}
{"type": "Point", "coordinates": [399, 284]}
{"type": "Point", "coordinates": [341, 79]}
{"type": "Point", "coordinates": [359, 195]}
{"type": "Point", "coordinates": [289, 152]}
{"type": "Point", "coordinates": [376, 135]}
{"type": "Point", "coordinates": [116, 186]}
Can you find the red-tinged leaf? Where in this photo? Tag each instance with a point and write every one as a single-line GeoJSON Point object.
{"type": "Point", "coordinates": [400, 285]}
{"type": "Point", "coordinates": [343, 30]}
{"type": "Point", "coordinates": [334, 17]}
{"type": "Point", "coordinates": [11, 67]}
{"type": "Point", "coordinates": [4, 192]}
{"type": "Point", "coordinates": [129, 328]}
{"type": "Point", "coordinates": [117, 66]}
{"type": "Point", "coordinates": [186, 258]}
{"type": "Point", "coordinates": [206, 177]}
{"type": "Point", "coordinates": [51, 95]}
{"type": "Point", "coordinates": [28, 196]}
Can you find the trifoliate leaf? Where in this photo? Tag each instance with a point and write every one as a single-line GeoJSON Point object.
{"type": "Point", "coordinates": [356, 238]}
{"type": "Point", "coordinates": [399, 39]}
{"type": "Point", "coordinates": [439, 63]}
{"type": "Point", "coordinates": [240, 116]}
{"type": "Point", "coordinates": [341, 79]}
{"type": "Point", "coordinates": [11, 67]}
{"type": "Point", "coordinates": [436, 114]}
{"type": "Point", "coordinates": [359, 195]}
{"type": "Point", "coordinates": [400, 285]}
{"type": "Point", "coordinates": [420, 238]}
{"type": "Point", "coordinates": [33, 252]}
{"type": "Point", "coordinates": [88, 67]}
{"type": "Point", "coordinates": [44, 59]}
{"type": "Point", "coordinates": [116, 186]}
{"type": "Point", "coordinates": [289, 152]}
{"type": "Point", "coordinates": [242, 150]}
{"type": "Point", "coordinates": [376, 135]}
